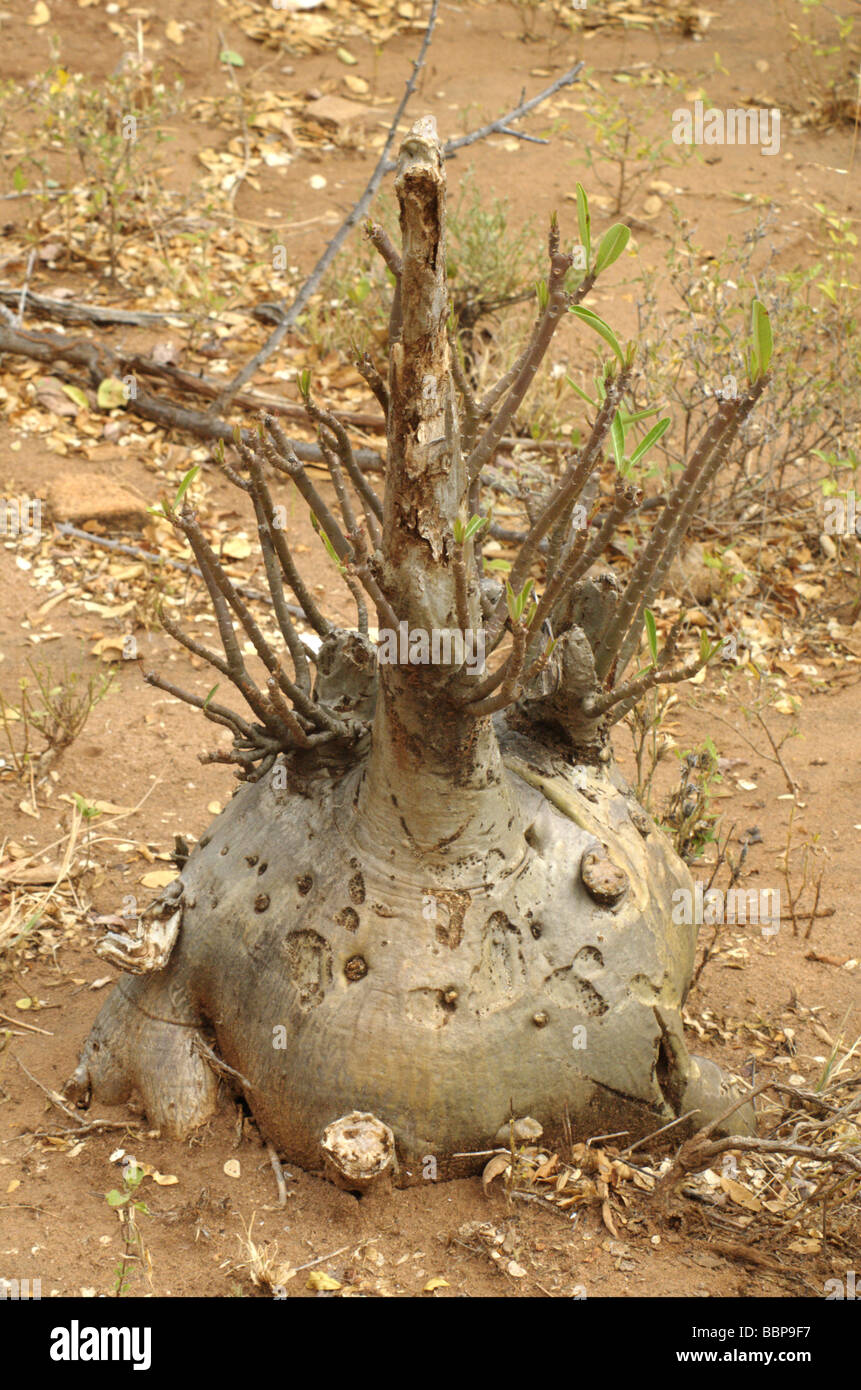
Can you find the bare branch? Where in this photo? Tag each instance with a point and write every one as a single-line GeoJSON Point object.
{"type": "Point", "coordinates": [567, 490]}
{"type": "Point", "coordinates": [546, 326]}
{"type": "Point", "coordinates": [355, 215]}
{"type": "Point", "coordinates": [596, 705]}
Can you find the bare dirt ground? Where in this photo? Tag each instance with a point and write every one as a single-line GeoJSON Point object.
{"type": "Point", "coordinates": [763, 1006]}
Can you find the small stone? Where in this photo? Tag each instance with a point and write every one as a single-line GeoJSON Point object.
{"type": "Point", "coordinates": [540, 1019]}
{"type": "Point", "coordinates": [84, 497]}
{"type": "Point", "coordinates": [340, 115]}
{"type": "Point", "coordinates": [261, 902]}
{"type": "Point", "coordinates": [603, 879]}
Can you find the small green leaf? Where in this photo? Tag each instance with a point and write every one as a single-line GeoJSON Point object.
{"type": "Point", "coordinates": [637, 416]}
{"type": "Point", "coordinates": [707, 651]}
{"type": "Point", "coordinates": [115, 1198]}
{"type": "Point", "coordinates": [582, 394]}
{"type": "Point", "coordinates": [584, 221]}
{"type": "Point", "coordinates": [185, 485]}
{"type": "Point", "coordinates": [77, 395]}
{"type": "Point", "coordinates": [209, 697]}
{"type": "Point", "coordinates": [762, 337]}
{"type": "Point", "coordinates": [231, 57]}
{"type": "Point", "coordinates": [111, 393]}
{"type": "Point", "coordinates": [18, 180]}
{"type": "Point", "coordinates": [612, 245]}
{"type": "Point", "coordinates": [651, 438]}
{"type": "Point", "coordinates": [617, 436]}
{"type": "Point", "coordinates": [543, 294]}
{"type": "Point", "coordinates": [474, 525]}
{"type": "Point", "coordinates": [500, 566]}
{"type": "Point", "coordinates": [328, 544]}
{"type": "Point", "coordinates": [651, 634]}
{"type": "Point", "coordinates": [458, 531]}
{"type": "Point", "coordinates": [600, 327]}
{"type": "Point", "coordinates": [517, 602]}
{"type": "Point", "coordinates": [304, 380]}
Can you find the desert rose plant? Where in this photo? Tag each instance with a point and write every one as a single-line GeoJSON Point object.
{"type": "Point", "coordinates": [432, 905]}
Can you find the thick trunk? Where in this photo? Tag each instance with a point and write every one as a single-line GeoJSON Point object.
{"type": "Point", "coordinates": [393, 941]}
{"type": "Point", "coordinates": [434, 784]}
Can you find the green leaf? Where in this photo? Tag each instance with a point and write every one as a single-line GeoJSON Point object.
{"type": "Point", "coordinates": [325, 539]}
{"type": "Point", "coordinates": [501, 566]}
{"type": "Point", "coordinates": [651, 438]}
{"type": "Point", "coordinates": [77, 395]}
{"type": "Point", "coordinates": [582, 394]}
{"type": "Point", "coordinates": [304, 380]}
{"type": "Point", "coordinates": [584, 221]}
{"type": "Point", "coordinates": [543, 294]}
{"type": "Point", "coordinates": [762, 337]}
{"type": "Point", "coordinates": [209, 697]}
{"type": "Point", "coordinates": [637, 416]}
{"type": "Point", "coordinates": [111, 393]}
{"type": "Point", "coordinates": [116, 1199]}
{"type": "Point", "coordinates": [232, 58]}
{"type": "Point", "coordinates": [612, 245]}
{"type": "Point", "coordinates": [517, 602]}
{"type": "Point", "coordinates": [18, 180]}
{"type": "Point", "coordinates": [185, 485]}
{"type": "Point", "coordinates": [599, 326]}
{"type": "Point", "coordinates": [651, 634]}
{"type": "Point", "coordinates": [707, 651]}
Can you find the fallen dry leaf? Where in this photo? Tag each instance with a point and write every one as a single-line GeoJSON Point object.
{"type": "Point", "coordinates": [159, 878]}
{"type": "Point", "coordinates": [500, 1163]}
{"type": "Point", "coordinates": [740, 1195]}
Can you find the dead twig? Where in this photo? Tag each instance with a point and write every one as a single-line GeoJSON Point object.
{"type": "Point", "coordinates": [279, 1174]}
{"type": "Point", "coordinates": [356, 213]}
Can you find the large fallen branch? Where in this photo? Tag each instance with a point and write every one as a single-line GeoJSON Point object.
{"type": "Point", "coordinates": [100, 362]}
